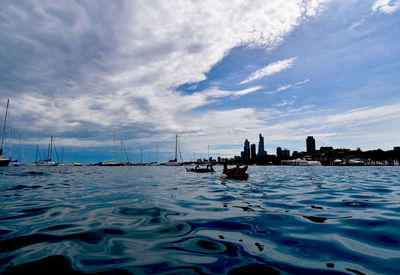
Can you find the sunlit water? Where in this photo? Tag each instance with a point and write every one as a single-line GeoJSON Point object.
{"type": "Point", "coordinates": [164, 220]}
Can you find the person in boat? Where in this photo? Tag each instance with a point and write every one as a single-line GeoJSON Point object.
{"type": "Point", "coordinates": [236, 173]}
{"type": "Point", "coordinates": [197, 169]}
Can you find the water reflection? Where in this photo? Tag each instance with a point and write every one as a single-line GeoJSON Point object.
{"type": "Point", "coordinates": [162, 220]}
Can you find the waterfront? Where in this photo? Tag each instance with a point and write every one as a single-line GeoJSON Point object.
{"type": "Point", "coordinates": [155, 220]}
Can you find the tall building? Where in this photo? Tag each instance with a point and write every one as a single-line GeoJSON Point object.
{"type": "Point", "coordinates": [246, 150]}
{"type": "Point", "coordinates": [261, 151]}
{"type": "Point", "coordinates": [285, 153]}
{"type": "Point", "coordinates": [310, 143]}
{"type": "Point", "coordinates": [253, 152]}
{"type": "Point", "coordinates": [279, 152]}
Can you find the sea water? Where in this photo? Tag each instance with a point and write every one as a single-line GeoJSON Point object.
{"type": "Point", "coordinates": [164, 220]}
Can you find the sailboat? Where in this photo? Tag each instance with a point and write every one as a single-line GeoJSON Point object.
{"type": "Point", "coordinates": [48, 161]}
{"type": "Point", "coordinates": [174, 162]}
{"type": "Point", "coordinates": [5, 161]}
{"type": "Point", "coordinates": [19, 161]}
{"type": "Point", "coordinates": [113, 162]}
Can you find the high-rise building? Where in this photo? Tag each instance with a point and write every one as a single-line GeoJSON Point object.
{"type": "Point", "coordinates": [310, 143]}
{"type": "Point", "coordinates": [285, 153]}
{"type": "Point", "coordinates": [253, 152]}
{"type": "Point", "coordinates": [261, 150]}
{"type": "Point", "coordinates": [279, 152]}
{"type": "Point", "coordinates": [246, 149]}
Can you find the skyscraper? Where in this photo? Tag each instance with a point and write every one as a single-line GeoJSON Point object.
{"type": "Point", "coordinates": [261, 151]}
{"type": "Point", "coordinates": [253, 152]}
{"type": "Point", "coordinates": [246, 149]}
{"type": "Point", "coordinates": [310, 143]}
{"type": "Point", "coordinates": [279, 152]}
{"type": "Point", "coordinates": [285, 153]}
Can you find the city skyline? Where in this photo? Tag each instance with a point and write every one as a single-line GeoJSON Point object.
{"type": "Point", "coordinates": [213, 72]}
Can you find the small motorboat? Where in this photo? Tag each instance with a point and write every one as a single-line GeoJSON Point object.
{"type": "Point", "coordinates": [236, 173]}
{"type": "Point", "coordinates": [197, 169]}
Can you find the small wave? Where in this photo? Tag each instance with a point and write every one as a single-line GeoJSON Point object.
{"type": "Point", "coordinates": [22, 186]}
{"type": "Point", "coordinates": [29, 212]}
{"type": "Point", "coordinates": [32, 174]}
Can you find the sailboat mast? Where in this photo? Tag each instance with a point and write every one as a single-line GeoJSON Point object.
{"type": "Point", "coordinates": [120, 152]}
{"type": "Point", "coordinates": [19, 149]}
{"type": "Point", "coordinates": [37, 151]}
{"type": "Point", "coordinates": [51, 147]}
{"type": "Point", "coordinates": [176, 148]}
{"type": "Point", "coordinates": [4, 127]}
{"type": "Point", "coordinates": [126, 153]}
{"type": "Point", "coordinates": [9, 135]}
{"type": "Point", "coordinates": [114, 148]}
{"type": "Point", "coordinates": [48, 151]}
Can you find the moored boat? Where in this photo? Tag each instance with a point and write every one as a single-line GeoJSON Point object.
{"type": "Point", "coordinates": [5, 160]}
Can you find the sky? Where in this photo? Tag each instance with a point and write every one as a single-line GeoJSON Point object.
{"type": "Point", "coordinates": [213, 72]}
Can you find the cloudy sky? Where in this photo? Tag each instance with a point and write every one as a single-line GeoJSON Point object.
{"type": "Point", "coordinates": [213, 72]}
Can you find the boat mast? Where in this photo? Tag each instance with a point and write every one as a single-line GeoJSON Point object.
{"type": "Point", "coordinates": [176, 148]}
{"type": "Point", "coordinates": [37, 151]}
{"type": "Point", "coordinates": [48, 152]}
{"type": "Point", "coordinates": [4, 127]}
{"type": "Point", "coordinates": [9, 135]}
{"type": "Point", "coordinates": [19, 149]}
{"type": "Point", "coordinates": [120, 152]}
{"type": "Point", "coordinates": [114, 148]}
{"type": "Point", "coordinates": [55, 149]}
{"type": "Point", "coordinates": [126, 153]}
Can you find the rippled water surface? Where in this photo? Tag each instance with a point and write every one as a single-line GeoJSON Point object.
{"type": "Point", "coordinates": [163, 220]}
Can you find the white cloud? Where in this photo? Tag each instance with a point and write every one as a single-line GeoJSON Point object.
{"type": "Point", "coordinates": [271, 69]}
{"type": "Point", "coordinates": [300, 83]}
{"type": "Point", "coordinates": [80, 69]}
{"type": "Point", "coordinates": [280, 89]}
{"type": "Point", "coordinates": [284, 103]}
{"type": "Point", "coordinates": [246, 91]}
{"type": "Point", "coordinates": [386, 6]}
{"type": "Point", "coordinates": [288, 86]}
{"type": "Point", "coordinates": [357, 24]}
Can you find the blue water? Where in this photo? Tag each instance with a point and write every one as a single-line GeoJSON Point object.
{"type": "Point", "coordinates": [163, 220]}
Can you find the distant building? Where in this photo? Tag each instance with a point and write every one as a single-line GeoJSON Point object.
{"type": "Point", "coordinates": [326, 149]}
{"type": "Point", "coordinates": [310, 144]}
{"type": "Point", "coordinates": [253, 152]}
{"type": "Point", "coordinates": [261, 150]}
{"type": "Point", "coordinates": [246, 149]}
{"type": "Point", "coordinates": [285, 153]}
{"type": "Point", "coordinates": [279, 152]}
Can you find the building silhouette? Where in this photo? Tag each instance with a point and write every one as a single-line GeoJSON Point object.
{"type": "Point", "coordinates": [246, 150]}
{"type": "Point", "coordinates": [310, 145]}
{"type": "Point", "coordinates": [285, 153]}
{"type": "Point", "coordinates": [261, 150]}
{"type": "Point", "coordinates": [253, 152]}
{"type": "Point", "coordinates": [279, 152]}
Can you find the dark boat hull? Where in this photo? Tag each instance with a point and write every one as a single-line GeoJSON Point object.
{"type": "Point", "coordinates": [4, 162]}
